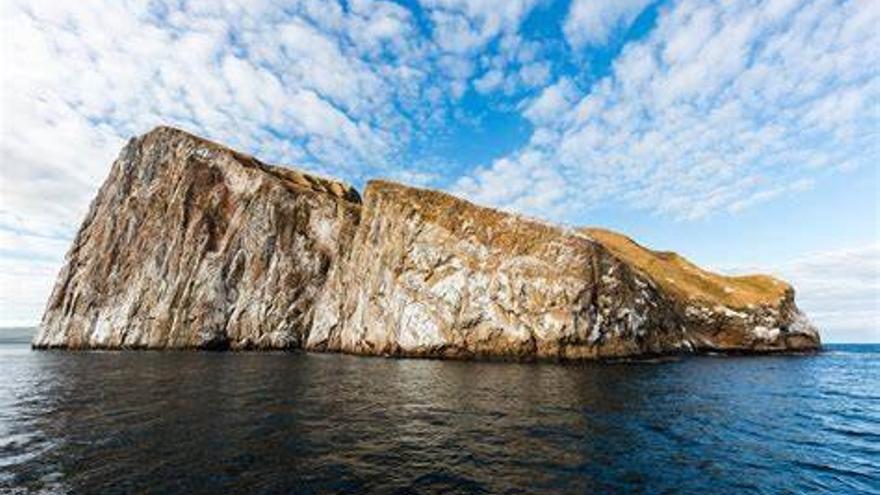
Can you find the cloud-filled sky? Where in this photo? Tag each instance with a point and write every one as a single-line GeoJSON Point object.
{"type": "Point", "coordinates": [743, 134]}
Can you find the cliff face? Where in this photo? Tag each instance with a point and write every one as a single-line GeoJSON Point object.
{"type": "Point", "coordinates": [430, 274]}
{"type": "Point", "coordinates": [189, 244]}
{"type": "Point", "coordinates": [718, 313]}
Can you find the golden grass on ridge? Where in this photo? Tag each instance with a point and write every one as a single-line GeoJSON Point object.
{"type": "Point", "coordinates": [684, 279]}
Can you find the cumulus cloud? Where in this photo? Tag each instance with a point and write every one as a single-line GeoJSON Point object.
{"type": "Point", "coordinates": [79, 78]}
{"type": "Point", "coordinates": [721, 107]}
{"type": "Point", "coordinates": [593, 21]}
{"type": "Point", "coordinates": [462, 30]}
{"type": "Point", "coordinates": [463, 26]}
{"type": "Point", "coordinates": [490, 81]}
{"type": "Point", "coordinates": [554, 101]}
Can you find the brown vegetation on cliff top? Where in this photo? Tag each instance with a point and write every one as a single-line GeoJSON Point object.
{"type": "Point", "coordinates": [667, 269]}
{"type": "Point", "coordinates": [515, 234]}
{"type": "Point", "coordinates": [681, 277]}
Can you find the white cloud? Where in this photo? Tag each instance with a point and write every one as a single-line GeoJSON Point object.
{"type": "Point", "coordinates": [554, 101]}
{"type": "Point", "coordinates": [313, 85]}
{"type": "Point", "coordinates": [720, 107]}
{"type": "Point", "coordinates": [534, 74]}
{"type": "Point", "coordinates": [462, 29]}
{"type": "Point", "coordinates": [463, 26]}
{"type": "Point", "coordinates": [24, 289]}
{"type": "Point", "coordinates": [489, 81]}
{"type": "Point", "coordinates": [591, 22]}
{"type": "Point", "coordinates": [29, 263]}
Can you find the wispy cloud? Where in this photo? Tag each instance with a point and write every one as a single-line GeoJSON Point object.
{"type": "Point", "coordinates": [721, 107]}
{"type": "Point", "coordinates": [593, 21]}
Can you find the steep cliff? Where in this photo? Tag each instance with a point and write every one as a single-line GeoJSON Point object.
{"type": "Point", "coordinates": [718, 313]}
{"type": "Point", "coordinates": [192, 245]}
{"type": "Point", "coordinates": [431, 274]}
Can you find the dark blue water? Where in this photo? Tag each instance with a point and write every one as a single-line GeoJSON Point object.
{"type": "Point", "coordinates": [187, 422]}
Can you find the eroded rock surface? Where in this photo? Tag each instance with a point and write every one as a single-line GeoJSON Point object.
{"type": "Point", "coordinates": [716, 312]}
{"type": "Point", "coordinates": [192, 245]}
{"type": "Point", "coordinates": [430, 274]}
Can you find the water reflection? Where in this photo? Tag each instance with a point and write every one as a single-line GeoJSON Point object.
{"type": "Point", "coordinates": [181, 422]}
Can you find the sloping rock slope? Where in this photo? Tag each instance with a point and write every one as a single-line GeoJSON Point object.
{"type": "Point", "coordinates": [192, 245]}
{"type": "Point", "coordinates": [718, 313]}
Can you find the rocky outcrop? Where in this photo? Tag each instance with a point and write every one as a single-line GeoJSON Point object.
{"type": "Point", "coordinates": [429, 274]}
{"type": "Point", "coordinates": [192, 245]}
{"type": "Point", "coordinates": [716, 312]}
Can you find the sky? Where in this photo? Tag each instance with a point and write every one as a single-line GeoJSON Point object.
{"type": "Point", "coordinates": [744, 135]}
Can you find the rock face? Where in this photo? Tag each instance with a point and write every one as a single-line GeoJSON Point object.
{"type": "Point", "coordinates": [429, 274]}
{"type": "Point", "coordinates": [192, 245]}
{"type": "Point", "coordinates": [714, 312]}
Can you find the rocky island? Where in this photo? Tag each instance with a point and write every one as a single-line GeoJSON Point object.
{"type": "Point", "coordinates": [191, 245]}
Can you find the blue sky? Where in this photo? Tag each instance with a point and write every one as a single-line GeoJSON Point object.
{"type": "Point", "coordinates": [742, 134]}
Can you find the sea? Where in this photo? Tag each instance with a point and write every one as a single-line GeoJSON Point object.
{"type": "Point", "coordinates": [293, 422]}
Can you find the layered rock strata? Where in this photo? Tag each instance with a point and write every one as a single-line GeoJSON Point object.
{"type": "Point", "coordinates": [192, 245]}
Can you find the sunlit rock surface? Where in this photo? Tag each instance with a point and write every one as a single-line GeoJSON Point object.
{"type": "Point", "coordinates": [430, 274]}
{"type": "Point", "coordinates": [192, 245]}
{"type": "Point", "coordinates": [716, 312]}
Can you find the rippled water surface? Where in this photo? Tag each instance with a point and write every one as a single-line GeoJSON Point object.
{"type": "Point", "coordinates": [181, 422]}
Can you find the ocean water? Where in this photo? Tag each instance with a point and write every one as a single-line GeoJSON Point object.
{"type": "Point", "coordinates": [201, 422]}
